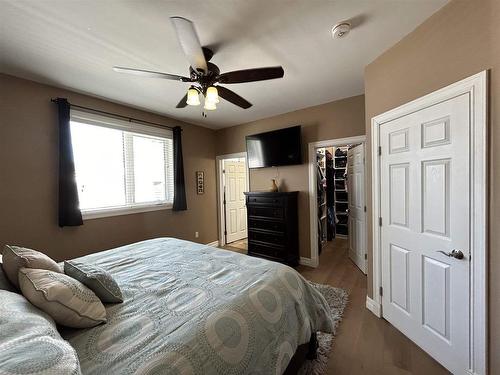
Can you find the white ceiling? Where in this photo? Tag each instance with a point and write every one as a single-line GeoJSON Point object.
{"type": "Point", "coordinates": [74, 44]}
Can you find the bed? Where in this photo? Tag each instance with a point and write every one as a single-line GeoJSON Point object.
{"type": "Point", "coordinates": [194, 309]}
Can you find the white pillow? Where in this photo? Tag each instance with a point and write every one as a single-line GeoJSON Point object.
{"type": "Point", "coordinates": [66, 300]}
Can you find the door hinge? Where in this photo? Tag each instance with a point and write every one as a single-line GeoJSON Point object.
{"type": "Point", "coordinates": [225, 233]}
{"type": "Point", "coordinates": [364, 208]}
{"type": "Point", "coordinates": [366, 256]}
{"type": "Point", "coordinates": [223, 171]}
{"type": "Point", "coordinates": [381, 291]}
{"type": "Point", "coordinates": [379, 150]}
{"type": "Point", "coordinates": [379, 221]}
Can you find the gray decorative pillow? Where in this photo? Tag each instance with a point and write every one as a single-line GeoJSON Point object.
{"type": "Point", "coordinates": [66, 300]}
{"type": "Point", "coordinates": [29, 341]}
{"type": "Point", "coordinates": [5, 284]}
{"type": "Point", "coordinates": [15, 257]}
{"type": "Point", "coordinates": [95, 278]}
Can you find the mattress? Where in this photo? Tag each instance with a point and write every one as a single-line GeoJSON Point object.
{"type": "Point", "coordinates": [194, 309]}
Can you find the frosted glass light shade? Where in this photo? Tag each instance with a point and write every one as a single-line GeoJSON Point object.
{"type": "Point", "coordinates": [193, 97]}
{"type": "Point", "coordinates": [212, 95]}
{"type": "Point", "coordinates": [209, 106]}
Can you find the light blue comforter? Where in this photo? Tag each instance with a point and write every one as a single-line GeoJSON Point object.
{"type": "Point", "coordinates": [195, 309]}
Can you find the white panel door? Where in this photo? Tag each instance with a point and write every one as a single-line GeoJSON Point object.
{"type": "Point", "coordinates": [356, 197]}
{"type": "Point", "coordinates": [235, 208]}
{"type": "Point", "coordinates": [424, 168]}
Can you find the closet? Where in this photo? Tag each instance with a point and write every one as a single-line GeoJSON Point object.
{"type": "Point", "coordinates": [333, 204]}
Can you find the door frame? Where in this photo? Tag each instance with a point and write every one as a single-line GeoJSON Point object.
{"type": "Point", "coordinates": [313, 207]}
{"type": "Point", "coordinates": [220, 191]}
{"type": "Point", "coordinates": [476, 87]}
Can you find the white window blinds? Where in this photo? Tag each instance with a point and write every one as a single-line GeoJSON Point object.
{"type": "Point", "coordinates": [121, 164]}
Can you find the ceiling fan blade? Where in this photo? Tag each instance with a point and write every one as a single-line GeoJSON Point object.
{"type": "Point", "coordinates": [183, 102]}
{"type": "Point", "coordinates": [151, 74]}
{"type": "Point", "coordinates": [251, 75]}
{"type": "Point", "coordinates": [232, 97]}
{"type": "Point", "coordinates": [190, 43]}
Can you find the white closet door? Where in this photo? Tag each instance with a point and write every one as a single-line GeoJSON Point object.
{"type": "Point", "coordinates": [356, 198]}
{"type": "Point", "coordinates": [425, 215]}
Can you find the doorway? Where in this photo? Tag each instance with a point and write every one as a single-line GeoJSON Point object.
{"type": "Point", "coordinates": [232, 171]}
{"type": "Point", "coordinates": [337, 197]}
{"type": "Point", "coordinates": [429, 223]}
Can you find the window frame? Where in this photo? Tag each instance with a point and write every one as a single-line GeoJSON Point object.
{"type": "Point", "coordinates": [131, 127]}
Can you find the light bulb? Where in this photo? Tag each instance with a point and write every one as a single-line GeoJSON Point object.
{"type": "Point", "coordinates": [209, 105]}
{"type": "Point", "coordinates": [193, 97]}
{"type": "Point", "coordinates": [212, 95]}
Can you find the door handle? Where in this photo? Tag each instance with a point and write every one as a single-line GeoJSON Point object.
{"type": "Point", "coordinates": [454, 254]}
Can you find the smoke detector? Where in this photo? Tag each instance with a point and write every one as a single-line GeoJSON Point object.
{"type": "Point", "coordinates": [341, 29]}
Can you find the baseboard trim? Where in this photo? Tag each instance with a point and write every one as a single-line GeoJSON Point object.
{"type": "Point", "coordinates": [374, 307]}
{"type": "Point", "coordinates": [306, 262]}
{"type": "Point", "coordinates": [214, 243]}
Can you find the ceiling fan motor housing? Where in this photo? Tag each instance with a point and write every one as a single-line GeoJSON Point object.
{"type": "Point", "coordinates": [202, 80]}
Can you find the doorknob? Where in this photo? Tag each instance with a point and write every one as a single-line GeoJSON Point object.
{"type": "Point", "coordinates": [454, 254]}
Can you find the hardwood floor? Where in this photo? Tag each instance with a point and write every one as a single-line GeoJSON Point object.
{"type": "Point", "coordinates": [365, 344]}
{"type": "Point", "coordinates": [240, 246]}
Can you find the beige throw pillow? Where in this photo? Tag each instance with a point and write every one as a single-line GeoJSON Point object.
{"type": "Point", "coordinates": [66, 300]}
{"type": "Point", "coordinates": [15, 257]}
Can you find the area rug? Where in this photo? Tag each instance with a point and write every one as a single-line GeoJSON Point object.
{"type": "Point", "coordinates": [337, 300]}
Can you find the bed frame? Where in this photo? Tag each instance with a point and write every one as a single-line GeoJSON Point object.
{"type": "Point", "coordinates": [304, 352]}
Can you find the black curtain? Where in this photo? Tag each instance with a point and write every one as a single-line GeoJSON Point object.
{"type": "Point", "coordinates": [69, 211]}
{"type": "Point", "coordinates": [179, 186]}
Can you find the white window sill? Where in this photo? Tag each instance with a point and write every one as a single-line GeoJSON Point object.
{"type": "Point", "coordinates": [117, 211]}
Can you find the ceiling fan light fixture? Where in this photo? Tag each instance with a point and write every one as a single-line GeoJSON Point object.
{"type": "Point", "coordinates": [193, 97]}
{"type": "Point", "coordinates": [209, 105]}
{"type": "Point", "coordinates": [212, 95]}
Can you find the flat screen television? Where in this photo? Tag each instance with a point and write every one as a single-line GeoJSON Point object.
{"type": "Point", "coordinates": [274, 148]}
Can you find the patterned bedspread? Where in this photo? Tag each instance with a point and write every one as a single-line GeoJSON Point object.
{"type": "Point", "coordinates": [195, 309]}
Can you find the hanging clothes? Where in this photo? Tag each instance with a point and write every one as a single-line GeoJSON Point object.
{"type": "Point", "coordinates": [330, 196]}
{"type": "Point", "coordinates": [320, 180]}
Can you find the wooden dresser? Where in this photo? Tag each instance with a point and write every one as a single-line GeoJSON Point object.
{"type": "Point", "coordinates": [273, 226]}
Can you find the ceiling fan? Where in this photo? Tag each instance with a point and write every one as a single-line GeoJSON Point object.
{"type": "Point", "coordinates": [205, 77]}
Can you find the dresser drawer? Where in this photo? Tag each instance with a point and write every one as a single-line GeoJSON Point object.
{"type": "Point", "coordinates": [257, 248]}
{"type": "Point", "coordinates": [265, 211]}
{"type": "Point", "coordinates": [272, 238]}
{"type": "Point", "coordinates": [269, 201]}
{"type": "Point", "coordinates": [276, 226]}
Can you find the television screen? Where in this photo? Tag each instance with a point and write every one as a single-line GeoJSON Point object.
{"type": "Point", "coordinates": [274, 148]}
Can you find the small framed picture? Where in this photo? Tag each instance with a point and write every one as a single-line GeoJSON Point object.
{"type": "Point", "coordinates": [200, 182]}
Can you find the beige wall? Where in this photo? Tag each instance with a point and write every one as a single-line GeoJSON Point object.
{"type": "Point", "coordinates": [339, 119]}
{"type": "Point", "coordinates": [461, 39]}
{"type": "Point", "coordinates": [28, 179]}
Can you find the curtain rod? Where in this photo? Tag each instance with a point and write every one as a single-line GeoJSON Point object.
{"type": "Point", "coordinates": [129, 119]}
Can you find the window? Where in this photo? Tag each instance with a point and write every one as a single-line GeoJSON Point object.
{"type": "Point", "coordinates": [121, 167]}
